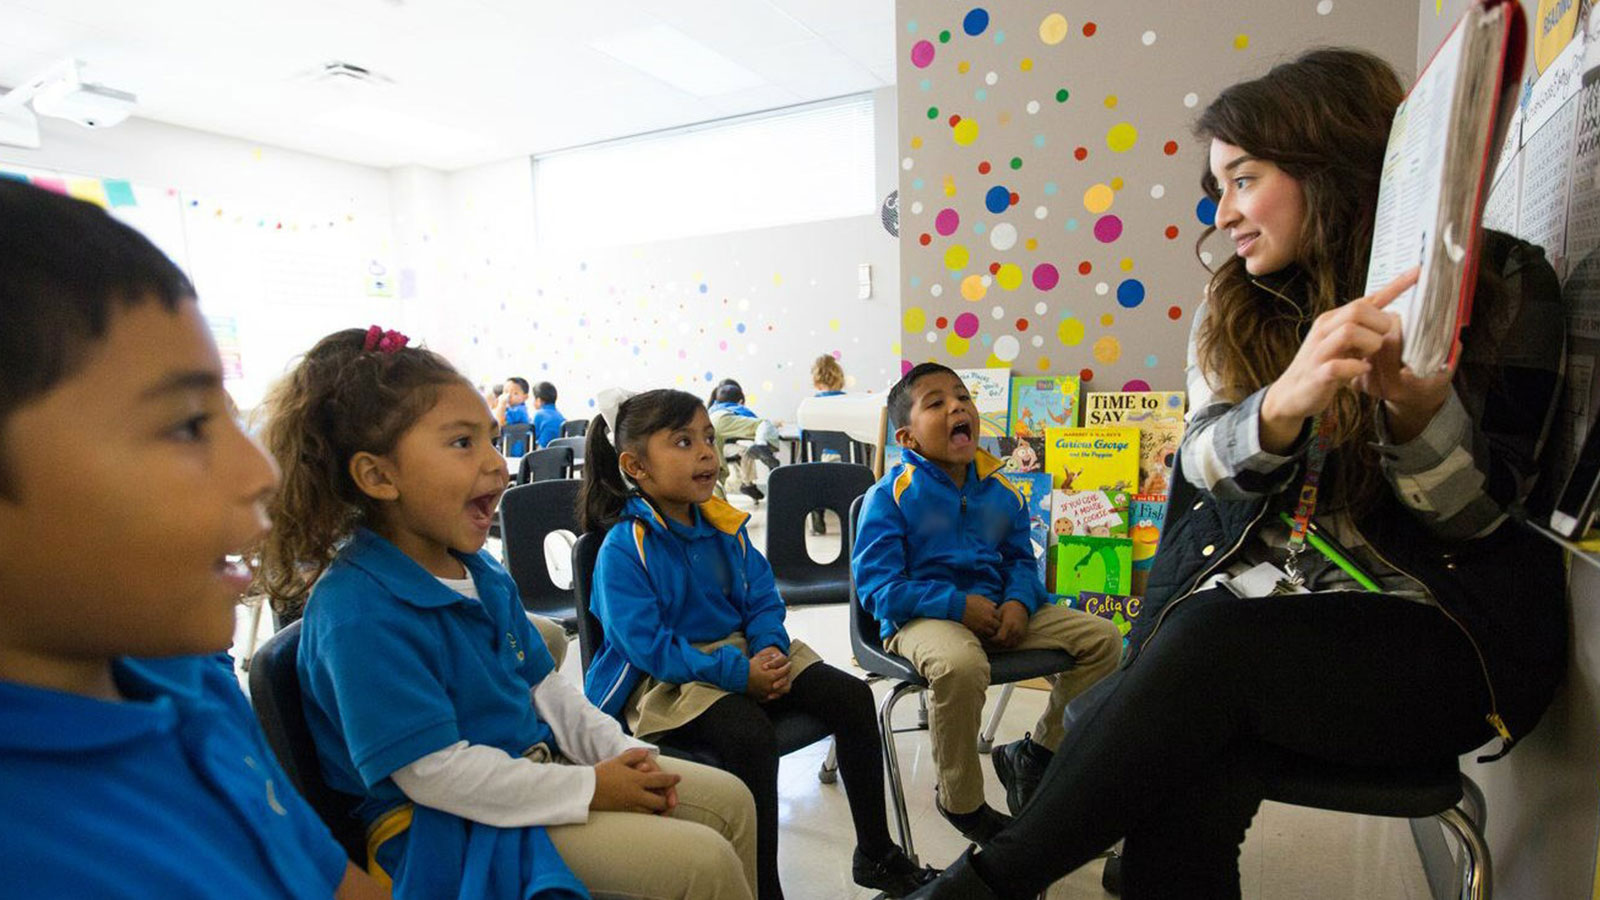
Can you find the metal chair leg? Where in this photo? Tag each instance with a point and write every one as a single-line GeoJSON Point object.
{"type": "Point", "coordinates": [922, 710]}
{"type": "Point", "coordinates": [1476, 807]}
{"type": "Point", "coordinates": [986, 737]}
{"type": "Point", "coordinates": [891, 760]}
{"type": "Point", "coordinates": [1476, 869]}
{"type": "Point", "coordinates": [829, 773]}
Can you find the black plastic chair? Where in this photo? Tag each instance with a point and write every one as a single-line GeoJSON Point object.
{"type": "Point", "coordinates": [575, 443]}
{"type": "Point", "coordinates": [531, 513]}
{"type": "Point", "coordinates": [513, 435]}
{"type": "Point", "coordinates": [575, 428]}
{"type": "Point", "coordinates": [275, 696]}
{"type": "Point", "coordinates": [1004, 668]}
{"type": "Point", "coordinates": [793, 492]}
{"type": "Point", "coordinates": [1433, 790]}
{"type": "Point", "coordinates": [794, 730]}
{"type": "Point", "coordinates": [548, 464]}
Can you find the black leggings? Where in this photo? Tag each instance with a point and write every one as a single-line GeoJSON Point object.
{"type": "Point", "coordinates": [739, 731]}
{"type": "Point", "coordinates": [1170, 752]}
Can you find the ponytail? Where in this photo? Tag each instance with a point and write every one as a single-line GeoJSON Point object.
{"type": "Point", "coordinates": [340, 399]}
{"type": "Point", "coordinates": [604, 492]}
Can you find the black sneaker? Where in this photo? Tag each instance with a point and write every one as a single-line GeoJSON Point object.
{"type": "Point", "coordinates": [979, 826]}
{"type": "Point", "coordinates": [1020, 765]}
{"type": "Point", "coordinates": [751, 491]}
{"type": "Point", "coordinates": [894, 873]}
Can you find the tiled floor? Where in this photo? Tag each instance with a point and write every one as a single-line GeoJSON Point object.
{"type": "Point", "coordinates": [1289, 853]}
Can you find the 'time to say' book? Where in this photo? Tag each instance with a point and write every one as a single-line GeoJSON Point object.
{"type": "Point", "coordinates": [1431, 197]}
{"type": "Point", "coordinates": [1159, 417]}
{"type": "Point", "coordinates": [1092, 459]}
{"type": "Point", "coordinates": [1043, 401]}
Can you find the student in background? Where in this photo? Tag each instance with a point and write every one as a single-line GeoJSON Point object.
{"type": "Point", "coordinates": [130, 764]}
{"type": "Point", "coordinates": [827, 376]}
{"type": "Point", "coordinates": [695, 650]}
{"type": "Point", "coordinates": [513, 410]}
{"type": "Point", "coordinates": [736, 422]}
{"type": "Point", "coordinates": [547, 420]}
{"type": "Point", "coordinates": [944, 559]}
{"type": "Point", "coordinates": [482, 771]}
{"type": "Point", "coordinates": [1465, 640]}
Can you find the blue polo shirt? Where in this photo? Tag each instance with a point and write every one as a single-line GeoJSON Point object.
{"type": "Point", "coordinates": [394, 666]}
{"type": "Point", "coordinates": [547, 422]}
{"type": "Point", "coordinates": [170, 793]}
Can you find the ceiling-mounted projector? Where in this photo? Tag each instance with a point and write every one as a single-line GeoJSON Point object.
{"type": "Point", "coordinates": [60, 92]}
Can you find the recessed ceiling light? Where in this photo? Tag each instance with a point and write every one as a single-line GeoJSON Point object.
{"type": "Point", "coordinates": [668, 54]}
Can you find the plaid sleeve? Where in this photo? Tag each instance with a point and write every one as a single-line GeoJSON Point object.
{"type": "Point", "coordinates": [1222, 441]}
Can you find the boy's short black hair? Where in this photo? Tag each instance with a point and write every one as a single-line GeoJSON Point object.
{"type": "Point", "coordinates": [900, 395]}
{"type": "Point", "coordinates": [729, 391]}
{"type": "Point", "coordinates": [545, 393]}
{"type": "Point", "coordinates": [65, 267]}
{"type": "Point", "coordinates": [519, 382]}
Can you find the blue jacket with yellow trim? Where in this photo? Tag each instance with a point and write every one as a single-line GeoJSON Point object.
{"type": "Point", "coordinates": [922, 544]}
{"type": "Point", "coordinates": [646, 594]}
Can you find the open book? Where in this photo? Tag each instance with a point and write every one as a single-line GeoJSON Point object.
{"type": "Point", "coordinates": [1435, 174]}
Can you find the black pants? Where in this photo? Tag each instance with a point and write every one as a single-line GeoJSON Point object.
{"type": "Point", "coordinates": [739, 731]}
{"type": "Point", "coordinates": [1169, 753]}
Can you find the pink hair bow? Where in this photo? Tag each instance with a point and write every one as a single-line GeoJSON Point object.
{"type": "Point", "coordinates": [384, 341]}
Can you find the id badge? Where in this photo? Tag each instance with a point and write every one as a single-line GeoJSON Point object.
{"type": "Point", "coordinates": [1264, 580]}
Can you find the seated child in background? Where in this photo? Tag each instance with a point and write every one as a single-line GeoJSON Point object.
{"type": "Point", "coordinates": [124, 776]}
{"type": "Point", "coordinates": [483, 772]}
{"type": "Point", "coordinates": [827, 376]}
{"type": "Point", "coordinates": [695, 651]}
{"type": "Point", "coordinates": [547, 420]}
{"type": "Point", "coordinates": [944, 561]}
{"type": "Point", "coordinates": [513, 410]}
{"type": "Point", "coordinates": [736, 422]}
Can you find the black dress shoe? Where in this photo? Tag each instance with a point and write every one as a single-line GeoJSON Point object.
{"type": "Point", "coordinates": [894, 873]}
{"type": "Point", "coordinates": [958, 882]}
{"type": "Point", "coordinates": [979, 826]}
{"type": "Point", "coordinates": [1020, 765]}
{"type": "Point", "coordinates": [751, 491]}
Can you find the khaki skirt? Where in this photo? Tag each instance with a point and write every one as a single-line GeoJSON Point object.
{"type": "Point", "coordinates": [656, 707]}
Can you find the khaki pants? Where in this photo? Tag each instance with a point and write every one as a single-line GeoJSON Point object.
{"type": "Point", "coordinates": [730, 427]}
{"type": "Point", "coordinates": [705, 850]}
{"type": "Point", "coordinates": [957, 668]}
{"type": "Point", "coordinates": [553, 635]}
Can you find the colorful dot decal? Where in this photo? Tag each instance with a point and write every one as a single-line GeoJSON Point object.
{"type": "Point", "coordinates": [1136, 384]}
{"type": "Point", "coordinates": [1107, 350]}
{"type": "Point", "coordinates": [1107, 229]}
{"type": "Point", "coordinates": [1070, 331]}
{"type": "Point", "coordinates": [1003, 237]}
{"type": "Point", "coordinates": [947, 221]}
{"type": "Point", "coordinates": [1045, 276]}
{"type": "Point", "coordinates": [997, 199]}
{"type": "Point", "coordinates": [1053, 30]}
{"type": "Point", "coordinates": [914, 319]}
{"type": "Point", "coordinates": [922, 54]}
{"type": "Point", "coordinates": [1098, 198]}
{"type": "Point", "coordinates": [966, 325]}
{"type": "Point", "coordinates": [965, 132]}
{"type": "Point", "coordinates": [975, 21]}
{"type": "Point", "coordinates": [1009, 277]}
{"type": "Point", "coordinates": [973, 288]}
{"type": "Point", "coordinates": [956, 345]}
{"type": "Point", "coordinates": [1206, 211]}
{"type": "Point", "coordinates": [1130, 293]}
{"type": "Point", "coordinates": [1006, 348]}
{"type": "Point", "coordinates": [1122, 137]}
{"type": "Point", "coordinates": [955, 258]}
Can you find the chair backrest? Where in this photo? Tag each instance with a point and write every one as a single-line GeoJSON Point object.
{"type": "Point", "coordinates": [863, 624]}
{"type": "Point", "coordinates": [545, 465]}
{"type": "Point", "coordinates": [528, 515]}
{"type": "Point", "coordinates": [793, 491]}
{"type": "Point", "coordinates": [513, 435]}
{"type": "Point", "coordinates": [576, 443]}
{"type": "Point", "coordinates": [590, 632]}
{"type": "Point", "coordinates": [813, 444]}
{"type": "Point", "coordinates": [275, 696]}
{"type": "Point", "coordinates": [575, 428]}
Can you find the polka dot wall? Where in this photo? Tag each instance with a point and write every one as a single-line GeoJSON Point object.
{"type": "Point", "coordinates": [1049, 180]}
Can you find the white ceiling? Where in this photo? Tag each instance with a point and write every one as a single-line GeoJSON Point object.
{"type": "Point", "coordinates": [473, 80]}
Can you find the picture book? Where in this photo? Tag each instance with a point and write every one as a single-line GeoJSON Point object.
{"type": "Point", "coordinates": [1021, 455]}
{"type": "Point", "coordinates": [1035, 489]}
{"type": "Point", "coordinates": [1098, 459]}
{"type": "Point", "coordinates": [1100, 564]}
{"type": "Point", "coordinates": [1122, 611]}
{"type": "Point", "coordinates": [1041, 402]}
{"type": "Point", "coordinates": [1092, 513]}
{"type": "Point", "coordinates": [991, 393]}
{"type": "Point", "coordinates": [1159, 417]}
{"type": "Point", "coordinates": [1146, 515]}
{"type": "Point", "coordinates": [1433, 183]}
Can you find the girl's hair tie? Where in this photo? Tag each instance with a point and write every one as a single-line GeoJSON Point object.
{"type": "Point", "coordinates": [383, 341]}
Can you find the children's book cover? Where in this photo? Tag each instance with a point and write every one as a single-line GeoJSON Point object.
{"type": "Point", "coordinates": [1159, 417]}
{"type": "Point", "coordinates": [1042, 402]}
{"type": "Point", "coordinates": [1091, 513]}
{"type": "Point", "coordinates": [1100, 564]}
{"type": "Point", "coordinates": [1020, 455]}
{"type": "Point", "coordinates": [1092, 459]}
{"type": "Point", "coordinates": [991, 393]}
{"type": "Point", "coordinates": [1146, 515]}
{"type": "Point", "coordinates": [1122, 611]}
{"type": "Point", "coordinates": [1035, 489]}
